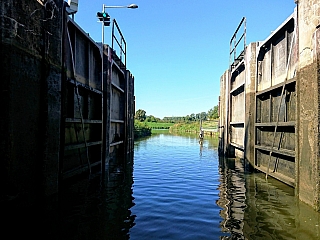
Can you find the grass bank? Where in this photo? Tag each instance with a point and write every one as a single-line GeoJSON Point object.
{"type": "Point", "coordinates": [194, 126]}
{"type": "Point", "coordinates": [159, 125]}
{"type": "Point", "coordinates": [185, 127]}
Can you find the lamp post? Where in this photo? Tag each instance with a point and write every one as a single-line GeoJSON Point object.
{"type": "Point", "coordinates": [105, 20]}
{"type": "Point", "coordinates": [107, 17]}
{"type": "Point", "coordinates": [128, 6]}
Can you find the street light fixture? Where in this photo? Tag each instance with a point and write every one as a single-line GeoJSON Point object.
{"type": "Point", "coordinates": [105, 18]}
{"type": "Point", "coordinates": [128, 6]}
{"type": "Point", "coordinates": [133, 6]}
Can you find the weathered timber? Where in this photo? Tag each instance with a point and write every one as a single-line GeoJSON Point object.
{"type": "Point", "coordinates": [269, 107]}
{"type": "Point", "coordinates": [62, 116]}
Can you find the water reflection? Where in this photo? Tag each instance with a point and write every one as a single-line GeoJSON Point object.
{"type": "Point", "coordinates": [273, 210]}
{"type": "Point", "coordinates": [86, 208]}
{"type": "Point", "coordinates": [96, 208]}
{"type": "Point", "coordinates": [176, 189]}
{"type": "Point", "coordinates": [201, 147]}
{"type": "Point", "coordinates": [254, 208]}
{"type": "Point", "coordinates": [232, 197]}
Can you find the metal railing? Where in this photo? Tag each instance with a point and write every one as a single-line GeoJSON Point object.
{"type": "Point", "coordinates": [234, 59]}
{"type": "Point", "coordinates": [121, 43]}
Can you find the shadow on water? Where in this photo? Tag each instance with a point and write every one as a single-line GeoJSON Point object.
{"type": "Point", "coordinates": [254, 208]}
{"type": "Point", "coordinates": [194, 194]}
{"type": "Point", "coordinates": [86, 208]}
{"type": "Point", "coordinates": [98, 209]}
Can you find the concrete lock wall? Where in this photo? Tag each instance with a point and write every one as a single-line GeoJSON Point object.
{"type": "Point", "coordinates": [61, 115]}
{"type": "Point", "coordinates": [279, 132]}
{"type": "Point", "coordinates": [308, 102]}
{"type": "Point", "coordinates": [30, 38]}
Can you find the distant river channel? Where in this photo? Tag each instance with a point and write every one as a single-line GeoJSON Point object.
{"type": "Point", "coordinates": [176, 188]}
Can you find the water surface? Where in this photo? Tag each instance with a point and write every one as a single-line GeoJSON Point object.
{"type": "Point", "coordinates": [182, 190]}
{"type": "Point", "coordinates": [173, 187]}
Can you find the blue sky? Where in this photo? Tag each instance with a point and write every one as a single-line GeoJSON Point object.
{"type": "Point", "coordinates": [178, 49]}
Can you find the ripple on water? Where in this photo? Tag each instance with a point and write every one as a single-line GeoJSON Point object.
{"type": "Point", "coordinates": [175, 190]}
{"type": "Point", "coordinates": [184, 191]}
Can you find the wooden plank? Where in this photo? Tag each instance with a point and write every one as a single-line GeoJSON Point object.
{"type": "Point", "coordinates": [117, 66]}
{"type": "Point", "coordinates": [117, 121]}
{"type": "Point", "coordinates": [81, 145]}
{"type": "Point", "coordinates": [237, 87]}
{"type": "Point", "coordinates": [117, 87]}
{"type": "Point", "coordinates": [78, 120]}
{"type": "Point", "coordinates": [78, 170]}
{"type": "Point", "coordinates": [237, 146]}
{"type": "Point", "coordinates": [85, 86]}
{"type": "Point", "coordinates": [292, 80]}
{"type": "Point", "coordinates": [115, 143]}
{"type": "Point", "coordinates": [286, 152]}
{"type": "Point", "coordinates": [237, 123]}
{"type": "Point", "coordinates": [273, 124]}
{"type": "Point", "coordinates": [283, 178]}
{"type": "Point", "coordinates": [236, 66]}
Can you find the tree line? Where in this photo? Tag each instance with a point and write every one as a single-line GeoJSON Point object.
{"type": "Point", "coordinates": [212, 114]}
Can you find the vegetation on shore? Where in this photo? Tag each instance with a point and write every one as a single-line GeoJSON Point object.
{"type": "Point", "coordinates": [191, 123]}
{"type": "Point", "coordinates": [185, 127]}
{"type": "Point", "coordinates": [159, 125]}
{"type": "Point", "coordinates": [210, 115]}
{"type": "Point", "coordinates": [194, 126]}
{"type": "Point", "coordinates": [141, 129]}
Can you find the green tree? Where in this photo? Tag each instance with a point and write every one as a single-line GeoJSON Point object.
{"type": "Point", "coordinates": [140, 115]}
{"type": "Point", "coordinates": [203, 115]}
{"type": "Point", "coordinates": [141, 129]}
{"type": "Point", "coordinates": [213, 113]}
{"type": "Point", "coordinates": [151, 118]}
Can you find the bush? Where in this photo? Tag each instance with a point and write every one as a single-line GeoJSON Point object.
{"type": "Point", "coordinates": [141, 129]}
{"type": "Point", "coordinates": [185, 127]}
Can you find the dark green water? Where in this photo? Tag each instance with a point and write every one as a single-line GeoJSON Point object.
{"type": "Point", "coordinates": [174, 188]}
{"type": "Point", "coordinates": [183, 190]}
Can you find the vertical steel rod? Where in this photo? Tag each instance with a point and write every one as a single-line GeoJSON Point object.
{"type": "Point", "coordinates": [103, 130]}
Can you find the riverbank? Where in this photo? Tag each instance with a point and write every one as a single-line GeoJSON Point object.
{"type": "Point", "coordinates": [141, 129]}
{"type": "Point", "coordinates": [194, 127]}
{"type": "Point", "coordinates": [159, 125]}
